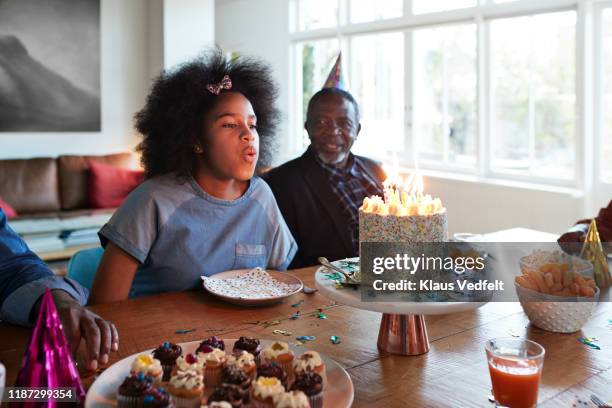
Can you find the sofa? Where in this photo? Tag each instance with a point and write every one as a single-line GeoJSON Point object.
{"type": "Point", "coordinates": [51, 199]}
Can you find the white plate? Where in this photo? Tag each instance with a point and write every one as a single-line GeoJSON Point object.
{"type": "Point", "coordinates": [352, 298]}
{"type": "Point", "coordinates": [103, 392]}
{"type": "Point", "coordinates": [283, 277]}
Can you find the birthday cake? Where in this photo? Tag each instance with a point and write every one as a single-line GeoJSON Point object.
{"type": "Point", "coordinates": [402, 216]}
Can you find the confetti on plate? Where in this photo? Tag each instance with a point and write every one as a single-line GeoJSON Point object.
{"type": "Point", "coordinates": [254, 284]}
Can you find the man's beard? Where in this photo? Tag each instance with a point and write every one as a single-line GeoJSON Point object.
{"type": "Point", "coordinates": [337, 160]}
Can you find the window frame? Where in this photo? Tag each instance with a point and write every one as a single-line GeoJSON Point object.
{"type": "Point", "coordinates": [599, 92]}
{"type": "Point", "coordinates": [588, 110]}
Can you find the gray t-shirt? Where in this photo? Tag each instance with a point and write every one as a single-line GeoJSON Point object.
{"type": "Point", "coordinates": [178, 233]}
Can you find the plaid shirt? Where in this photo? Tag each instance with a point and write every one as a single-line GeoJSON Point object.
{"type": "Point", "coordinates": [351, 185]}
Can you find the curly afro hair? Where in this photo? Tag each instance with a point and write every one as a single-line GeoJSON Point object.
{"type": "Point", "coordinates": [171, 121]}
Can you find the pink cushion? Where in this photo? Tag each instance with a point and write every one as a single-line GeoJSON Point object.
{"type": "Point", "coordinates": [7, 209]}
{"type": "Point", "coordinates": [110, 185]}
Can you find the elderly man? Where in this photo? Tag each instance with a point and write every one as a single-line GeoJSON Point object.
{"type": "Point", "coordinates": [320, 193]}
{"type": "Point", "coordinates": [23, 280]}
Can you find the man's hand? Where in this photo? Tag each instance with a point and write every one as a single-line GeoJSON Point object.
{"type": "Point", "coordinates": [100, 335]}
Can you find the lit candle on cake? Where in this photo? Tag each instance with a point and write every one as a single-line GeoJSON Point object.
{"type": "Point", "coordinates": [404, 214]}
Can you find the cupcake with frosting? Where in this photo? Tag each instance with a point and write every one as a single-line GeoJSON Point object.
{"type": "Point", "coordinates": [248, 344]}
{"type": "Point", "coordinates": [186, 389]}
{"type": "Point", "coordinates": [230, 393]}
{"type": "Point", "coordinates": [167, 353]}
{"type": "Point", "coordinates": [218, 404]}
{"type": "Point", "coordinates": [189, 362]}
{"type": "Point", "coordinates": [149, 366]}
{"type": "Point", "coordinates": [278, 352]}
{"type": "Point", "coordinates": [264, 390]}
{"type": "Point", "coordinates": [234, 375]}
{"type": "Point", "coordinates": [291, 399]}
{"type": "Point", "coordinates": [273, 370]}
{"type": "Point", "coordinates": [244, 361]}
{"type": "Point", "coordinates": [310, 361]}
{"type": "Point", "coordinates": [212, 342]}
{"type": "Point", "coordinates": [157, 398]}
{"type": "Point", "coordinates": [132, 390]}
{"type": "Point", "coordinates": [214, 360]}
{"type": "Point", "coordinates": [311, 384]}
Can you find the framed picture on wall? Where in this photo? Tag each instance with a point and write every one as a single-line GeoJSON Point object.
{"type": "Point", "coordinates": [49, 66]}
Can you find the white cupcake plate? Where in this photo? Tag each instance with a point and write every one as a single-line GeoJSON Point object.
{"type": "Point", "coordinates": [339, 392]}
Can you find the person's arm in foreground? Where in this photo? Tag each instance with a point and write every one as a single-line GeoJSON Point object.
{"type": "Point", "coordinates": [23, 280]}
{"type": "Point", "coordinates": [114, 276]}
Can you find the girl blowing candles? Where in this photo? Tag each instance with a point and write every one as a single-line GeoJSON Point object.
{"type": "Point", "coordinates": [200, 211]}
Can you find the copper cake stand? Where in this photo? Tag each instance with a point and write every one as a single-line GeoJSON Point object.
{"type": "Point", "coordinates": [403, 329]}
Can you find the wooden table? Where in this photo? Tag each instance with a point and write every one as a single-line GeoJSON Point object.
{"type": "Point", "coordinates": [453, 374]}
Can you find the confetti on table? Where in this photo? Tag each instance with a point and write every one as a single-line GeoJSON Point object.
{"type": "Point", "coordinates": [295, 315]}
{"type": "Point", "coordinates": [335, 339]}
{"type": "Point", "coordinates": [513, 333]}
{"type": "Point", "coordinates": [298, 303]}
{"type": "Point", "coordinates": [305, 338]}
{"type": "Point", "coordinates": [588, 342]}
{"type": "Point", "coordinates": [322, 315]}
{"type": "Point", "coordinates": [282, 332]}
{"type": "Point", "coordinates": [269, 323]}
{"type": "Point", "coordinates": [184, 331]}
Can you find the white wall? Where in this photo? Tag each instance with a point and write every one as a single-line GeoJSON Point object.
{"type": "Point", "coordinates": [189, 26]}
{"type": "Point", "coordinates": [260, 28]}
{"type": "Point", "coordinates": [136, 39]}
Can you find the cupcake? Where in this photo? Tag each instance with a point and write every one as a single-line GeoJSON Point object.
{"type": "Point", "coordinates": [230, 393]}
{"type": "Point", "coordinates": [310, 361]}
{"type": "Point", "coordinates": [234, 375]}
{"type": "Point", "coordinates": [186, 389]}
{"type": "Point", "coordinates": [247, 344]}
{"type": "Point", "coordinates": [292, 399]}
{"type": "Point", "coordinates": [273, 370]}
{"type": "Point", "coordinates": [311, 384]}
{"type": "Point", "coordinates": [212, 342]}
{"type": "Point", "coordinates": [264, 390]}
{"type": "Point", "coordinates": [149, 366]}
{"type": "Point", "coordinates": [218, 404]}
{"type": "Point", "coordinates": [167, 353]}
{"type": "Point", "coordinates": [157, 398]}
{"type": "Point", "coordinates": [278, 352]}
{"type": "Point", "coordinates": [189, 362]}
{"type": "Point", "coordinates": [132, 390]}
{"type": "Point", "coordinates": [214, 360]}
{"type": "Point", "coordinates": [245, 361]}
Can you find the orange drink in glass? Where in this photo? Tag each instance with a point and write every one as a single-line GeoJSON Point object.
{"type": "Point", "coordinates": [515, 366]}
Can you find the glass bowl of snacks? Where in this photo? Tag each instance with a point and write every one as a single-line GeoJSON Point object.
{"type": "Point", "coordinates": [556, 290]}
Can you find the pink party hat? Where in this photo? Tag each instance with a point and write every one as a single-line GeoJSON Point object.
{"type": "Point", "coordinates": [336, 79]}
{"type": "Point", "coordinates": [48, 362]}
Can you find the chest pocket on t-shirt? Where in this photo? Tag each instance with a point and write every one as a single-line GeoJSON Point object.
{"type": "Point", "coordinates": [250, 256]}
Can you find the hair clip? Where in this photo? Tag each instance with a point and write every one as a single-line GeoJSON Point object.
{"type": "Point", "coordinates": [226, 83]}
